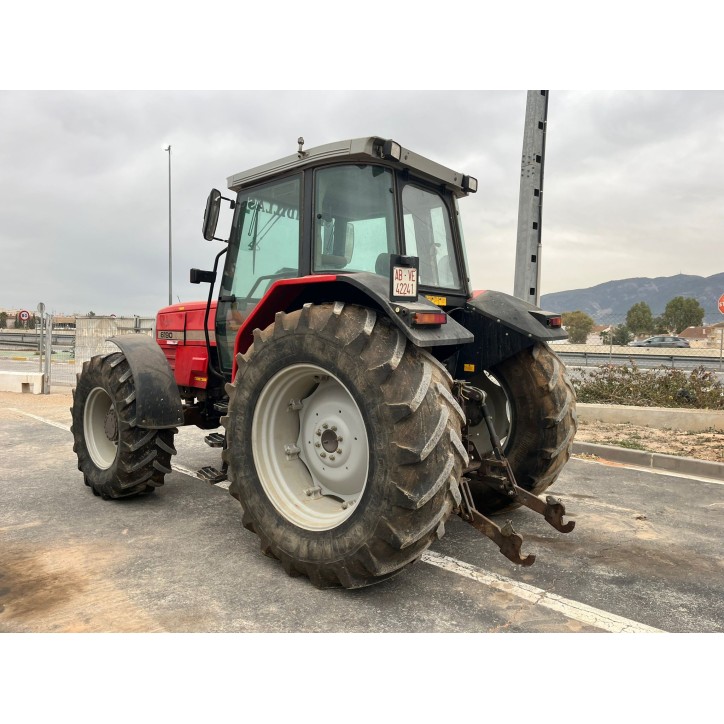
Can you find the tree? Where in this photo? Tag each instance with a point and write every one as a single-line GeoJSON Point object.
{"type": "Point", "coordinates": [578, 325]}
{"type": "Point", "coordinates": [660, 326]}
{"type": "Point", "coordinates": [683, 312]}
{"type": "Point", "coordinates": [639, 319]}
{"type": "Point", "coordinates": [621, 334]}
{"type": "Point", "coordinates": [3, 320]}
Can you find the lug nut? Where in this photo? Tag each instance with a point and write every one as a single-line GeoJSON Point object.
{"type": "Point", "coordinates": [339, 451]}
{"type": "Point", "coordinates": [323, 455]}
{"type": "Point", "coordinates": [317, 444]}
{"type": "Point", "coordinates": [325, 426]}
{"type": "Point", "coordinates": [331, 457]}
{"type": "Point", "coordinates": [334, 428]}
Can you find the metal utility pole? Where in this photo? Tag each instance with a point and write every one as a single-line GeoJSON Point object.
{"type": "Point", "coordinates": [530, 205]}
{"type": "Point", "coordinates": [170, 294]}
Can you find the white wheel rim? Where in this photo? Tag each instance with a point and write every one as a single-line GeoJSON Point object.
{"type": "Point", "coordinates": [310, 447]}
{"type": "Point", "coordinates": [100, 428]}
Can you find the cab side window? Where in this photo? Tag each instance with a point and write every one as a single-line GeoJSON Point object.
{"type": "Point", "coordinates": [428, 235]}
{"type": "Point", "coordinates": [354, 218]}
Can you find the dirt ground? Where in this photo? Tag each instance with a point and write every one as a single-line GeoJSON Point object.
{"type": "Point", "coordinates": [699, 445]}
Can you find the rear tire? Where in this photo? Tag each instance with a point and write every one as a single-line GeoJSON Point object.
{"type": "Point", "coordinates": [118, 458]}
{"type": "Point", "coordinates": [533, 406]}
{"type": "Point", "coordinates": [339, 380]}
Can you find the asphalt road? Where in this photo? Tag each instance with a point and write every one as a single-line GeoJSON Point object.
{"type": "Point", "coordinates": [646, 553]}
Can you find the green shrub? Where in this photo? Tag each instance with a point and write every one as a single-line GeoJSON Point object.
{"type": "Point", "coordinates": [662, 387]}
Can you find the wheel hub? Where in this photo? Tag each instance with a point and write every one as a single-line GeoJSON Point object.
{"type": "Point", "coordinates": [330, 432]}
{"type": "Point", "coordinates": [110, 425]}
{"type": "Point", "coordinates": [329, 440]}
{"type": "Point", "coordinates": [310, 447]}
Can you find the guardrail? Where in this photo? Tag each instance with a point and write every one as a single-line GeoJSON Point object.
{"type": "Point", "coordinates": [30, 340]}
{"type": "Point", "coordinates": [683, 361]}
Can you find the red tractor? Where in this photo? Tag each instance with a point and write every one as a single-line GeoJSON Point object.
{"type": "Point", "coordinates": [365, 390]}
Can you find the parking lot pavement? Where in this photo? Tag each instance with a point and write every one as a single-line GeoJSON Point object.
{"type": "Point", "coordinates": [646, 554]}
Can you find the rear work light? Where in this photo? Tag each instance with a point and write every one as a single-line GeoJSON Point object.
{"type": "Point", "coordinates": [391, 150]}
{"type": "Point", "coordinates": [429, 318]}
{"type": "Point", "coordinates": [470, 184]}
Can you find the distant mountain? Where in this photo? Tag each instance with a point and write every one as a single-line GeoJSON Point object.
{"type": "Point", "coordinates": [609, 302]}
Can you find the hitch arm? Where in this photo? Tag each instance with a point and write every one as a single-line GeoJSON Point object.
{"type": "Point", "coordinates": [552, 510]}
{"type": "Point", "coordinates": [505, 538]}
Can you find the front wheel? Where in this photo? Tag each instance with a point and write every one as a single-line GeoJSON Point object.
{"type": "Point", "coordinates": [533, 406]}
{"type": "Point", "coordinates": [118, 458]}
{"type": "Point", "coordinates": [344, 445]}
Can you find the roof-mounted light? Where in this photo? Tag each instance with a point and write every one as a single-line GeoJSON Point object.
{"type": "Point", "coordinates": [391, 150]}
{"type": "Point", "coordinates": [470, 184]}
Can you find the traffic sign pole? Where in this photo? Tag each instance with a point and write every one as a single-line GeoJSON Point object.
{"type": "Point", "coordinates": [721, 334]}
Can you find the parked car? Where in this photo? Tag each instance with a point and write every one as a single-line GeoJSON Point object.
{"type": "Point", "coordinates": [660, 341]}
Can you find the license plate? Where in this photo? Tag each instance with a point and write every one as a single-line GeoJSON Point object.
{"type": "Point", "coordinates": [404, 282]}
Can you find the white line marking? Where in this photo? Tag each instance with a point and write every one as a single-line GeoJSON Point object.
{"type": "Point", "coordinates": [572, 609]}
{"type": "Point", "coordinates": [178, 468]}
{"type": "Point", "coordinates": [42, 419]}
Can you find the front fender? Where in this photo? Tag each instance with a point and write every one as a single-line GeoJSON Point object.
{"type": "Point", "coordinates": [158, 402]}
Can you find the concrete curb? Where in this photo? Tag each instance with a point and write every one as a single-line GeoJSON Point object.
{"type": "Point", "coordinates": [673, 418]}
{"type": "Point", "coordinates": [21, 382]}
{"type": "Point", "coordinates": [657, 461]}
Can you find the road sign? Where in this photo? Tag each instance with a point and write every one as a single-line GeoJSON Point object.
{"type": "Point", "coordinates": [24, 315]}
{"type": "Point", "coordinates": [721, 303]}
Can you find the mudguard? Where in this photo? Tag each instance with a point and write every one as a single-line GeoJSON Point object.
{"type": "Point", "coordinates": [158, 402]}
{"type": "Point", "coordinates": [503, 325]}
{"type": "Point", "coordinates": [376, 287]}
{"type": "Point", "coordinates": [362, 288]}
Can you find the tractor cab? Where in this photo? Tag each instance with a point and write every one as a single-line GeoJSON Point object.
{"type": "Point", "coordinates": [343, 208]}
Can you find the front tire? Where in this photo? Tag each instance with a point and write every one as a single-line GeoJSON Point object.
{"type": "Point", "coordinates": [118, 458]}
{"type": "Point", "coordinates": [344, 445]}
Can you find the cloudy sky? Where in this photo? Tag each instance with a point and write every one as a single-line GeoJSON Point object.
{"type": "Point", "coordinates": [633, 179]}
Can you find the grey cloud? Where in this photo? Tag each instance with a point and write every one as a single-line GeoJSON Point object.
{"type": "Point", "coordinates": [631, 187]}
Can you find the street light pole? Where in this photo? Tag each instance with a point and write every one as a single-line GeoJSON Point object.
{"type": "Point", "coordinates": [170, 294]}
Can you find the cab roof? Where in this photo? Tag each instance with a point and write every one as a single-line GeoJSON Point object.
{"type": "Point", "coordinates": [369, 148]}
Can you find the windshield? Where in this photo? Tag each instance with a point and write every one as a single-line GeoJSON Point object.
{"type": "Point", "coordinates": [264, 247]}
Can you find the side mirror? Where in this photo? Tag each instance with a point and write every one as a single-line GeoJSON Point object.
{"type": "Point", "coordinates": [211, 214]}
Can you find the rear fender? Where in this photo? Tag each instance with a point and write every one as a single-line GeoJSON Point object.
{"type": "Point", "coordinates": [158, 402]}
{"type": "Point", "coordinates": [363, 288]}
{"type": "Point", "coordinates": [503, 326]}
